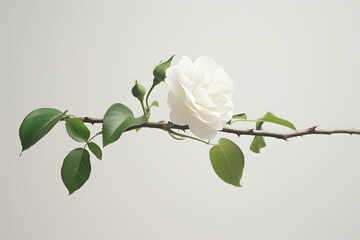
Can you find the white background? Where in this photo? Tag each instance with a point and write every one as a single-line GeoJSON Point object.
{"type": "Point", "coordinates": [298, 59]}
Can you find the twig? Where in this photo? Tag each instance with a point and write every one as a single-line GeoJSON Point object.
{"type": "Point", "coordinates": [251, 132]}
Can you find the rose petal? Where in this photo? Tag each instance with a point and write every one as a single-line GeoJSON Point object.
{"type": "Point", "coordinates": [202, 131]}
{"type": "Point", "coordinates": [179, 114]}
{"type": "Point", "coordinates": [200, 96]}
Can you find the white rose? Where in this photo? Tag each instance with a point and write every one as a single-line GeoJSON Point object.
{"type": "Point", "coordinates": [200, 96]}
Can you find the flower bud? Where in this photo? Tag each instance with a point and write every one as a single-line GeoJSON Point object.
{"type": "Point", "coordinates": [138, 91]}
{"type": "Point", "coordinates": [159, 71]}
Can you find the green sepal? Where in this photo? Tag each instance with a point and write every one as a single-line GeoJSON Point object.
{"type": "Point", "coordinates": [227, 161]}
{"type": "Point", "coordinates": [37, 124]}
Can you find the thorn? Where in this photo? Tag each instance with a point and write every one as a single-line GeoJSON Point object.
{"type": "Point", "coordinates": [312, 129]}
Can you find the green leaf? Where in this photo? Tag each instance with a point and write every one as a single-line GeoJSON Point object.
{"type": "Point", "coordinates": [227, 160]}
{"type": "Point", "coordinates": [77, 129]}
{"type": "Point", "coordinates": [95, 149]}
{"type": "Point", "coordinates": [257, 143]}
{"type": "Point", "coordinates": [154, 104]}
{"type": "Point", "coordinates": [37, 124]}
{"type": "Point", "coordinates": [269, 117]}
{"type": "Point", "coordinates": [241, 116]}
{"type": "Point", "coordinates": [76, 169]}
{"type": "Point", "coordinates": [117, 119]}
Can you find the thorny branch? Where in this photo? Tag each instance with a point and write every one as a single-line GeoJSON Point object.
{"type": "Point", "coordinates": [308, 131]}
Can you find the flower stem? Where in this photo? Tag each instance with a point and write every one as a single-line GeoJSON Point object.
{"type": "Point", "coordinates": [147, 97]}
{"type": "Point", "coordinates": [143, 107]}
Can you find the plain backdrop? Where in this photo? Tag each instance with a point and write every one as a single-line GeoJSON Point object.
{"type": "Point", "coordinates": [297, 59]}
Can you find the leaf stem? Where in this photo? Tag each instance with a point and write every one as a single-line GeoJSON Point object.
{"type": "Point", "coordinates": [246, 120]}
{"type": "Point", "coordinates": [187, 136]}
{"type": "Point", "coordinates": [87, 142]}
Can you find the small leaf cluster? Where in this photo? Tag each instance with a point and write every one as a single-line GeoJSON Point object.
{"type": "Point", "coordinates": [227, 158]}
{"type": "Point", "coordinates": [76, 167]}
